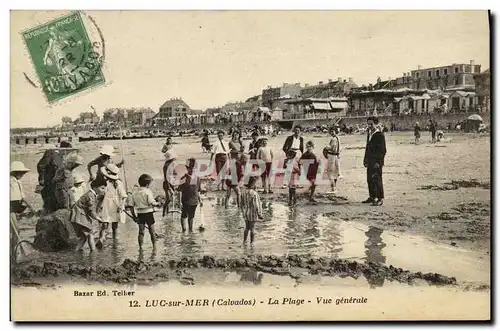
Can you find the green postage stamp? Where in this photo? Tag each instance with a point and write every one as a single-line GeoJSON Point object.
{"type": "Point", "coordinates": [65, 59]}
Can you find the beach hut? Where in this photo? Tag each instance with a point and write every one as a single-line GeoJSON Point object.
{"type": "Point", "coordinates": [472, 123]}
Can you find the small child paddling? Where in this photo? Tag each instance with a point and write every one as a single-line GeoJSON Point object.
{"type": "Point", "coordinates": [251, 208]}
{"type": "Point", "coordinates": [312, 171]}
{"type": "Point", "coordinates": [144, 202]}
{"type": "Point", "coordinates": [84, 214]}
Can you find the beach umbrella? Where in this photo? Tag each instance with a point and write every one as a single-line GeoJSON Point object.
{"type": "Point", "coordinates": [475, 117]}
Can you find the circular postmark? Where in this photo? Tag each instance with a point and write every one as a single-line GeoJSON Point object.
{"type": "Point", "coordinates": [68, 54]}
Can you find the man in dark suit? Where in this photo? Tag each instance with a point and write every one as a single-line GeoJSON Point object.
{"type": "Point", "coordinates": [294, 142]}
{"type": "Point", "coordinates": [374, 161]}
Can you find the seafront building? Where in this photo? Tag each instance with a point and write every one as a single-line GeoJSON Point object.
{"type": "Point", "coordinates": [457, 87]}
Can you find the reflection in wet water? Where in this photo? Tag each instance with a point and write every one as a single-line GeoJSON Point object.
{"type": "Point", "coordinates": [374, 246]}
{"type": "Point", "coordinates": [283, 231]}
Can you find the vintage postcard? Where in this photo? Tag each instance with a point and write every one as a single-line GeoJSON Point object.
{"type": "Point", "coordinates": [250, 166]}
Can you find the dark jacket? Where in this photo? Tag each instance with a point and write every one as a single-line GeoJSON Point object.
{"type": "Point", "coordinates": [289, 142]}
{"type": "Point", "coordinates": [48, 165]}
{"type": "Point", "coordinates": [375, 149]}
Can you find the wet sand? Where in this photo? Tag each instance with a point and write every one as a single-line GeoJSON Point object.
{"type": "Point", "coordinates": [435, 219]}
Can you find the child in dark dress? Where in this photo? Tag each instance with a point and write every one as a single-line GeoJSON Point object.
{"type": "Point", "coordinates": [312, 170]}
{"type": "Point", "coordinates": [291, 163]}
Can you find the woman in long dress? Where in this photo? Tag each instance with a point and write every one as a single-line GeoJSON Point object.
{"type": "Point", "coordinates": [113, 204]}
{"type": "Point", "coordinates": [333, 159]}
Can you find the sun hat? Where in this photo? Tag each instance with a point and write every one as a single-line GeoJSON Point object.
{"type": "Point", "coordinates": [18, 166]}
{"type": "Point", "coordinates": [170, 155]}
{"type": "Point", "coordinates": [78, 178]}
{"type": "Point", "coordinates": [110, 171]}
{"type": "Point", "coordinates": [65, 144]}
{"type": "Point", "coordinates": [75, 158]}
{"type": "Point", "coordinates": [107, 150]}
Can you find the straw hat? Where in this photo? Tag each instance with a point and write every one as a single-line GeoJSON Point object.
{"type": "Point", "coordinates": [18, 166]}
{"type": "Point", "coordinates": [75, 159]}
{"type": "Point", "coordinates": [65, 144]}
{"type": "Point", "coordinates": [107, 150]}
{"type": "Point", "coordinates": [170, 155]}
{"type": "Point", "coordinates": [110, 171]}
{"type": "Point", "coordinates": [78, 178]}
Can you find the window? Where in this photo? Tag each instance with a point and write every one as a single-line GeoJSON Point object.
{"type": "Point", "coordinates": [437, 73]}
{"type": "Point", "coordinates": [476, 69]}
{"type": "Point", "coordinates": [468, 69]}
{"type": "Point", "coordinates": [445, 71]}
{"type": "Point", "coordinates": [418, 74]}
{"type": "Point", "coordinates": [456, 69]}
{"type": "Point", "coordinates": [429, 73]}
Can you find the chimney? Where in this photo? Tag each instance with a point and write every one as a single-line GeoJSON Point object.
{"type": "Point", "coordinates": [379, 80]}
{"type": "Point", "coordinates": [350, 79]}
{"type": "Point", "coordinates": [471, 62]}
{"type": "Point", "coordinates": [329, 80]}
{"type": "Point", "coordinates": [419, 67]}
{"type": "Point", "coordinates": [306, 85]}
{"type": "Point", "coordinates": [320, 82]}
{"type": "Point", "coordinates": [404, 74]}
{"type": "Point", "coordinates": [339, 79]}
{"type": "Point", "coordinates": [269, 86]}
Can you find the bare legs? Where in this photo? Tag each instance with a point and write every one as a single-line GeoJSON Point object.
{"type": "Point", "coordinates": [152, 234]}
{"type": "Point", "coordinates": [236, 189]}
{"type": "Point", "coordinates": [249, 228]}
{"type": "Point", "coordinates": [102, 233]}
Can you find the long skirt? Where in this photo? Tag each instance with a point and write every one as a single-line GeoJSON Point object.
{"type": "Point", "coordinates": [111, 206]}
{"type": "Point", "coordinates": [333, 167]}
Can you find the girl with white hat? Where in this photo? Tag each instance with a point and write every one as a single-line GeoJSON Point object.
{"type": "Point", "coordinates": [63, 180]}
{"type": "Point", "coordinates": [79, 188]}
{"type": "Point", "coordinates": [107, 152]}
{"type": "Point", "coordinates": [113, 203]}
{"type": "Point", "coordinates": [18, 203]}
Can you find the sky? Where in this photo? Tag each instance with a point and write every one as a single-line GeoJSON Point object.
{"type": "Point", "coordinates": [209, 58]}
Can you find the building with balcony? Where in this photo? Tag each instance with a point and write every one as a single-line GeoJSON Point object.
{"type": "Point", "coordinates": [287, 90]}
{"type": "Point", "coordinates": [333, 88]}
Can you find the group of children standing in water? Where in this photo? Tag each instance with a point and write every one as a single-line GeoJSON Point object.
{"type": "Point", "coordinates": [104, 204]}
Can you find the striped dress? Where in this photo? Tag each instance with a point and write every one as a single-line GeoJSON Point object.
{"type": "Point", "coordinates": [251, 205]}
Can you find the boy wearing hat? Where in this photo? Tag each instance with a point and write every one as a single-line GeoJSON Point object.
{"type": "Point", "coordinates": [18, 203]}
{"type": "Point", "coordinates": [63, 180]}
